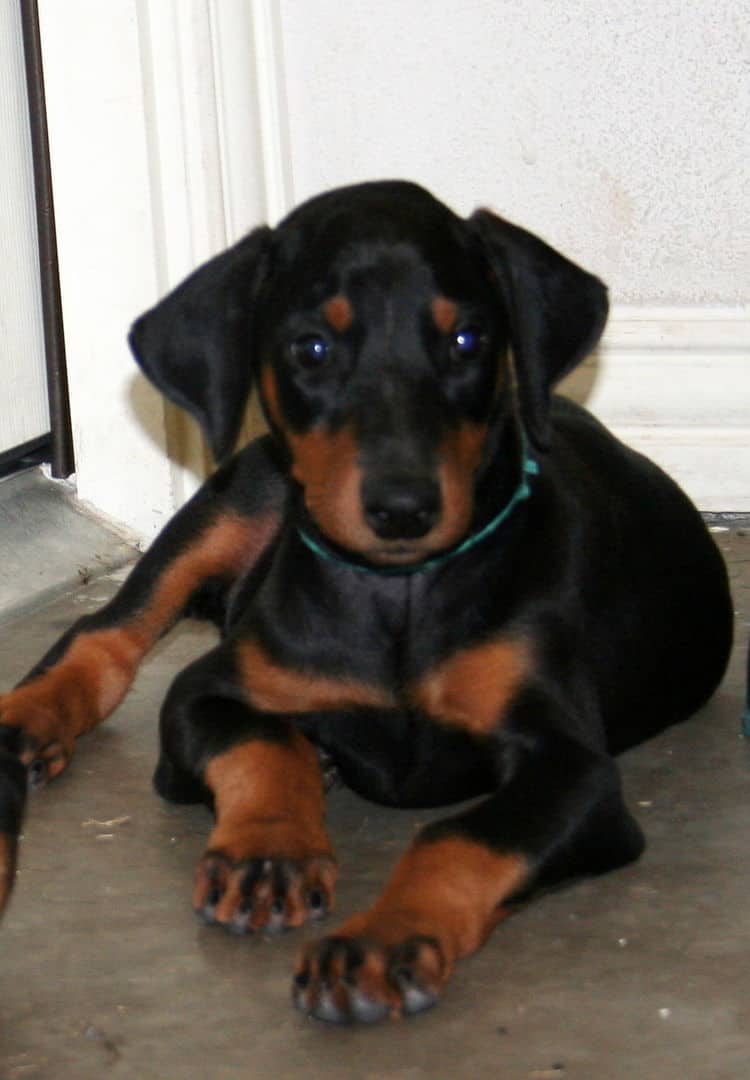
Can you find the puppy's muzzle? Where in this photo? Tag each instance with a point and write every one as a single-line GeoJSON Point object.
{"type": "Point", "coordinates": [401, 507]}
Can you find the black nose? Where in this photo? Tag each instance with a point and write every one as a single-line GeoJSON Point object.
{"type": "Point", "coordinates": [399, 508]}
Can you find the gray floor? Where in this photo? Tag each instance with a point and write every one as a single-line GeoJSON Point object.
{"type": "Point", "coordinates": [106, 973]}
{"type": "Point", "coordinates": [47, 544]}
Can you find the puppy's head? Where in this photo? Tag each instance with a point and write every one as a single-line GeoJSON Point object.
{"type": "Point", "coordinates": [378, 326]}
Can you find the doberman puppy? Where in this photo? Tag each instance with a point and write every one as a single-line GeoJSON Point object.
{"type": "Point", "coordinates": [432, 572]}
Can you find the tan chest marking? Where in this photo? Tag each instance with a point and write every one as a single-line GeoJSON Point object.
{"type": "Point", "coordinates": [275, 688]}
{"type": "Point", "coordinates": [474, 688]}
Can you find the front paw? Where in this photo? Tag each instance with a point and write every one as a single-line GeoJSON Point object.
{"type": "Point", "coordinates": [343, 979]}
{"type": "Point", "coordinates": [273, 892]}
{"type": "Point", "coordinates": [36, 737]}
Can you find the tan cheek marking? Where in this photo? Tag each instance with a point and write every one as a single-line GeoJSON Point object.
{"type": "Point", "coordinates": [338, 313]}
{"type": "Point", "coordinates": [274, 688]}
{"type": "Point", "coordinates": [462, 449]}
{"type": "Point", "coordinates": [451, 889]}
{"type": "Point", "coordinates": [270, 394]}
{"type": "Point", "coordinates": [474, 688]}
{"type": "Point", "coordinates": [444, 314]}
{"type": "Point", "coordinates": [460, 457]}
{"type": "Point", "coordinates": [326, 465]}
{"type": "Point", "coordinates": [319, 453]}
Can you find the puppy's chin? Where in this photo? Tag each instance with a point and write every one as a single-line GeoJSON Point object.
{"type": "Point", "coordinates": [396, 554]}
{"type": "Point", "coordinates": [362, 543]}
{"type": "Point", "coordinates": [411, 552]}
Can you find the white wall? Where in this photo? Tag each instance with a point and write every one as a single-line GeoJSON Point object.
{"type": "Point", "coordinates": [619, 132]}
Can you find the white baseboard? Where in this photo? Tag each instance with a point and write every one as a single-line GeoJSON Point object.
{"type": "Point", "coordinates": [675, 383]}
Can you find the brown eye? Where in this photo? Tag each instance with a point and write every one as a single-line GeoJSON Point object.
{"type": "Point", "coordinates": [467, 343]}
{"type": "Point", "coordinates": [311, 350]}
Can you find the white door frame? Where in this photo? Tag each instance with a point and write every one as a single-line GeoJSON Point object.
{"type": "Point", "coordinates": [24, 413]}
{"type": "Point", "coordinates": [168, 139]}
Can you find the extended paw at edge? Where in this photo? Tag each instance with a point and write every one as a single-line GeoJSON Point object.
{"type": "Point", "coordinates": [39, 743]}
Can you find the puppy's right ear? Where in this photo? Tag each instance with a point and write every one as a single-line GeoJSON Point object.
{"type": "Point", "coordinates": [556, 309]}
{"type": "Point", "coordinates": [195, 345]}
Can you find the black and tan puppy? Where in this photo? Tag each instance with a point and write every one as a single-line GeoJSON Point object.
{"type": "Point", "coordinates": [448, 580]}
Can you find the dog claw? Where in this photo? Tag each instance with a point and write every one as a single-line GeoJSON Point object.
{"type": "Point", "coordinates": [44, 763]}
{"type": "Point", "coordinates": [271, 894]}
{"type": "Point", "coordinates": [344, 980]}
{"type": "Point", "coordinates": [37, 774]}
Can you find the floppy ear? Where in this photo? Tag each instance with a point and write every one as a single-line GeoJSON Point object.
{"type": "Point", "coordinates": [195, 344]}
{"type": "Point", "coordinates": [557, 312]}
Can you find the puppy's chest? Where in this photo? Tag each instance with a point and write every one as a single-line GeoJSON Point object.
{"type": "Point", "coordinates": [393, 649]}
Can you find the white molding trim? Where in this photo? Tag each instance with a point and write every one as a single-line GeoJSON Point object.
{"type": "Point", "coordinates": [183, 139]}
{"type": "Point", "coordinates": [217, 123]}
{"type": "Point", "coordinates": [251, 108]}
{"type": "Point", "coordinates": [273, 108]}
{"type": "Point", "coordinates": [688, 329]}
{"type": "Point", "coordinates": [674, 382]}
{"type": "Point", "coordinates": [218, 145]}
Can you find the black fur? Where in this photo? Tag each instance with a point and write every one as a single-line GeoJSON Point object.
{"type": "Point", "coordinates": [604, 572]}
{"type": "Point", "coordinates": [607, 568]}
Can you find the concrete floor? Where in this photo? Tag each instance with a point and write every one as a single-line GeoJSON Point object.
{"type": "Point", "coordinates": [48, 544]}
{"type": "Point", "coordinates": [106, 972]}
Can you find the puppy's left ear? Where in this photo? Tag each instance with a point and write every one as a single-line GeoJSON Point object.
{"type": "Point", "coordinates": [195, 344]}
{"type": "Point", "coordinates": [557, 312]}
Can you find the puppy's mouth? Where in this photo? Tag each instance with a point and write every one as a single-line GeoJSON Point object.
{"type": "Point", "coordinates": [396, 553]}
{"type": "Point", "coordinates": [365, 547]}
{"type": "Point", "coordinates": [408, 552]}
{"type": "Point", "coordinates": [341, 519]}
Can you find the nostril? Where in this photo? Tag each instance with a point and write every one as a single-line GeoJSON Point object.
{"type": "Point", "coordinates": [380, 517]}
{"type": "Point", "coordinates": [402, 509]}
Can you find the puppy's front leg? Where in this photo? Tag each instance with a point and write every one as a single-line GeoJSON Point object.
{"type": "Point", "coordinates": [559, 812]}
{"type": "Point", "coordinates": [213, 542]}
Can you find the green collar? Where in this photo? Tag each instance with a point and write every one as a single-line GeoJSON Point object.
{"type": "Point", "coordinates": [522, 492]}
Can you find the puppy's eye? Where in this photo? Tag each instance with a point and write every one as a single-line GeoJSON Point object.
{"type": "Point", "coordinates": [467, 343]}
{"type": "Point", "coordinates": [311, 350]}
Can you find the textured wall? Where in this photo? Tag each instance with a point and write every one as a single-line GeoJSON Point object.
{"type": "Point", "coordinates": [620, 131]}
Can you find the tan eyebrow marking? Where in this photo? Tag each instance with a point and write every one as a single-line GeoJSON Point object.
{"type": "Point", "coordinates": [444, 313]}
{"type": "Point", "coordinates": [338, 313]}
